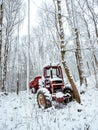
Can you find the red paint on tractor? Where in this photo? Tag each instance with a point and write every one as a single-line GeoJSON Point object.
{"type": "Point", "coordinates": [53, 82]}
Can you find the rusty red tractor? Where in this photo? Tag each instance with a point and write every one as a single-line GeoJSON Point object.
{"type": "Point", "coordinates": [50, 87]}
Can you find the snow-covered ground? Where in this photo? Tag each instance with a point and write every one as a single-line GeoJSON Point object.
{"type": "Point", "coordinates": [22, 113]}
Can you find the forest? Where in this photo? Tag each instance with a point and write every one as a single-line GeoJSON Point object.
{"type": "Point", "coordinates": [43, 43]}
{"type": "Point", "coordinates": [65, 32]}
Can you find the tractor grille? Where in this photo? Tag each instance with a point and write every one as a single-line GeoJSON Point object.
{"type": "Point", "coordinates": [57, 89]}
{"type": "Point", "coordinates": [57, 86]}
{"type": "Point", "coordinates": [58, 82]}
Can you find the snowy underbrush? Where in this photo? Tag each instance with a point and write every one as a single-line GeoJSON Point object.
{"type": "Point", "coordinates": [22, 113]}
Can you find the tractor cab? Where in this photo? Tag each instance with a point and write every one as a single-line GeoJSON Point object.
{"type": "Point", "coordinates": [53, 78]}
{"type": "Point", "coordinates": [53, 72]}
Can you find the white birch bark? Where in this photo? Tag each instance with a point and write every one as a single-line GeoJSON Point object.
{"type": "Point", "coordinates": [28, 49]}
{"type": "Point", "coordinates": [73, 22]}
{"type": "Point", "coordinates": [63, 51]}
{"type": "Point", "coordinates": [1, 20]}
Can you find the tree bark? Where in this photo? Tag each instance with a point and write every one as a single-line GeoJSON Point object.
{"type": "Point", "coordinates": [94, 59]}
{"type": "Point", "coordinates": [71, 81]}
{"type": "Point", "coordinates": [1, 19]}
{"type": "Point", "coordinates": [11, 9]}
{"type": "Point", "coordinates": [94, 19]}
{"type": "Point", "coordinates": [79, 60]}
{"type": "Point", "coordinates": [5, 65]}
{"type": "Point", "coordinates": [28, 49]}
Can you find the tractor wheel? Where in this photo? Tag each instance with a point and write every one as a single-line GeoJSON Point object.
{"type": "Point", "coordinates": [69, 95]}
{"type": "Point", "coordinates": [44, 98]}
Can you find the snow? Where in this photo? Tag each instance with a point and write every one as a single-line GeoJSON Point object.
{"type": "Point", "coordinates": [22, 113]}
{"type": "Point", "coordinates": [59, 95]}
{"type": "Point", "coordinates": [46, 92]}
{"type": "Point", "coordinates": [55, 78]}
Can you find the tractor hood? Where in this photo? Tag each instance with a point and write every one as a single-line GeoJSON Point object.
{"type": "Point", "coordinates": [55, 79]}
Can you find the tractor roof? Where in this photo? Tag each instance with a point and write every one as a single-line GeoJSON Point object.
{"type": "Point", "coordinates": [51, 66]}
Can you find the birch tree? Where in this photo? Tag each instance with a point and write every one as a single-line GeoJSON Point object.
{"type": "Point", "coordinates": [11, 9]}
{"type": "Point", "coordinates": [1, 21]}
{"type": "Point", "coordinates": [94, 18]}
{"type": "Point", "coordinates": [89, 20]}
{"type": "Point", "coordinates": [74, 28]}
{"type": "Point", "coordinates": [93, 15]}
{"type": "Point", "coordinates": [63, 52]}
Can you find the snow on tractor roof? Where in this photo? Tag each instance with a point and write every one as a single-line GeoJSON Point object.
{"type": "Point", "coordinates": [51, 64]}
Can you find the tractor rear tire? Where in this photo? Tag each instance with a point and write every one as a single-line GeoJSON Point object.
{"type": "Point", "coordinates": [44, 98]}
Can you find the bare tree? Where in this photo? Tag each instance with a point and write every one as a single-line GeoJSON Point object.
{"type": "Point", "coordinates": [11, 13]}
{"type": "Point", "coordinates": [94, 17]}
{"type": "Point", "coordinates": [63, 52]}
{"type": "Point", "coordinates": [74, 27]}
{"type": "Point", "coordinates": [44, 45]}
{"type": "Point", "coordinates": [1, 21]}
{"type": "Point", "coordinates": [88, 19]}
{"type": "Point", "coordinates": [92, 50]}
{"type": "Point", "coordinates": [28, 48]}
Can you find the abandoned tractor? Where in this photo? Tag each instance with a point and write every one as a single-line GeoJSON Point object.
{"type": "Point", "coordinates": [50, 87]}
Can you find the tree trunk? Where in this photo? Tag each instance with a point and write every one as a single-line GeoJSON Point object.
{"type": "Point", "coordinates": [11, 9]}
{"type": "Point", "coordinates": [1, 18]}
{"type": "Point", "coordinates": [28, 49]}
{"type": "Point", "coordinates": [5, 67]}
{"type": "Point", "coordinates": [94, 59]}
{"type": "Point", "coordinates": [71, 81]}
{"type": "Point", "coordinates": [17, 89]}
{"type": "Point", "coordinates": [79, 60]}
{"type": "Point", "coordinates": [73, 22]}
{"type": "Point", "coordinates": [0, 57]}
{"type": "Point", "coordinates": [94, 18]}
{"type": "Point", "coordinates": [4, 75]}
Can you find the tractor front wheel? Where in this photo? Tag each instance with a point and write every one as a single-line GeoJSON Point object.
{"type": "Point", "coordinates": [44, 98]}
{"type": "Point", "coordinates": [69, 95]}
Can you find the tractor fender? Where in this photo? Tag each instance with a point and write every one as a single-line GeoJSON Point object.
{"type": "Point", "coordinates": [34, 84]}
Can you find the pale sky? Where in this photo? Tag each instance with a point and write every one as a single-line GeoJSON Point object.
{"type": "Point", "coordinates": [34, 5]}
